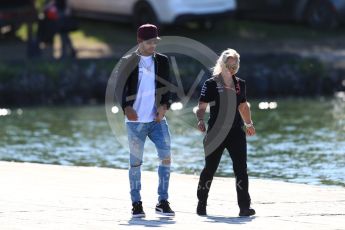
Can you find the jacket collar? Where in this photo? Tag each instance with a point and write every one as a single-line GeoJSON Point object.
{"type": "Point", "coordinates": [137, 52]}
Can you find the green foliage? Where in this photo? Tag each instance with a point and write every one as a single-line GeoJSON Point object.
{"type": "Point", "coordinates": [51, 69]}
{"type": "Point", "coordinates": [312, 67]}
{"type": "Point", "coordinates": [7, 71]}
{"type": "Point", "coordinates": [39, 4]}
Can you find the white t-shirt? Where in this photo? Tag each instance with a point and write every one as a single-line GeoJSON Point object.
{"type": "Point", "coordinates": [144, 103]}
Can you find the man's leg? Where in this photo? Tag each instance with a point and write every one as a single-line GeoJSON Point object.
{"type": "Point", "coordinates": [160, 136]}
{"type": "Point", "coordinates": [67, 49]}
{"type": "Point", "coordinates": [137, 133]}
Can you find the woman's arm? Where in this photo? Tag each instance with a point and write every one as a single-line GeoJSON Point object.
{"type": "Point", "coordinates": [244, 110]}
{"type": "Point", "coordinates": [200, 115]}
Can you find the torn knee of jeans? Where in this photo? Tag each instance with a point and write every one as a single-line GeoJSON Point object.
{"type": "Point", "coordinates": [136, 164]}
{"type": "Point", "coordinates": [166, 161]}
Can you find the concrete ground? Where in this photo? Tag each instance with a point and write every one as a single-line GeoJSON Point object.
{"type": "Point", "coordinates": [35, 196]}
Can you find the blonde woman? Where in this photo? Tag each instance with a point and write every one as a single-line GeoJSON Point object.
{"type": "Point", "coordinates": [225, 82]}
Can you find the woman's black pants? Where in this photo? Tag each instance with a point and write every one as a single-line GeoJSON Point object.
{"type": "Point", "coordinates": [236, 144]}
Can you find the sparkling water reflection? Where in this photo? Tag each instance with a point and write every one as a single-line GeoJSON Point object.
{"type": "Point", "coordinates": [300, 140]}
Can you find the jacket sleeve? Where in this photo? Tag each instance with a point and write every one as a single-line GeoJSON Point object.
{"type": "Point", "coordinates": [166, 98]}
{"type": "Point", "coordinates": [121, 85]}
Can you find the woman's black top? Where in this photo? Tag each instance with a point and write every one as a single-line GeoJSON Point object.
{"type": "Point", "coordinates": [211, 92]}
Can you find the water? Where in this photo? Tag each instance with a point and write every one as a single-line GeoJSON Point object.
{"type": "Point", "coordinates": [302, 140]}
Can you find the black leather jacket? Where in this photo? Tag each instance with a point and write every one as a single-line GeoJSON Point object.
{"type": "Point", "coordinates": [127, 80]}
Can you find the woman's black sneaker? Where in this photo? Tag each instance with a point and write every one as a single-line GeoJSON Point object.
{"type": "Point", "coordinates": [137, 210]}
{"type": "Point", "coordinates": [201, 208]}
{"type": "Point", "coordinates": [247, 212]}
{"type": "Point", "coordinates": [163, 208]}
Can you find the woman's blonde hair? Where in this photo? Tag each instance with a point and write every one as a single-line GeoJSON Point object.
{"type": "Point", "coordinates": [221, 62]}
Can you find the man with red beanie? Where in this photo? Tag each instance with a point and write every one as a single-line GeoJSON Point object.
{"type": "Point", "coordinates": [143, 87]}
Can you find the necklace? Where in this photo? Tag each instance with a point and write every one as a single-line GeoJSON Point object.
{"type": "Point", "coordinates": [144, 64]}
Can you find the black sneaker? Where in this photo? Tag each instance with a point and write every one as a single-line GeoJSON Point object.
{"type": "Point", "coordinates": [163, 208]}
{"type": "Point", "coordinates": [137, 210]}
{"type": "Point", "coordinates": [247, 212]}
{"type": "Point", "coordinates": [201, 208]}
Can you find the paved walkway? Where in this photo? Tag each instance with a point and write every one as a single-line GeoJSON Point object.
{"type": "Point", "coordinates": [35, 196]}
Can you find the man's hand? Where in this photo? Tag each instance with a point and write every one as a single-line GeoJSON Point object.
{"type": "Point", "coordinates": [250, 131]}
{"type": "Point", "coordinates": [131, 114]}
{"type": "Point", "coordinates": [201, 126]}
{"type": "Point", "coordinates": [160, 113]}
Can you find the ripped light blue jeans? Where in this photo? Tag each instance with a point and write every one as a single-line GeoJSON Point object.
{"type": "Point", "coordinates": [159, 134]}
